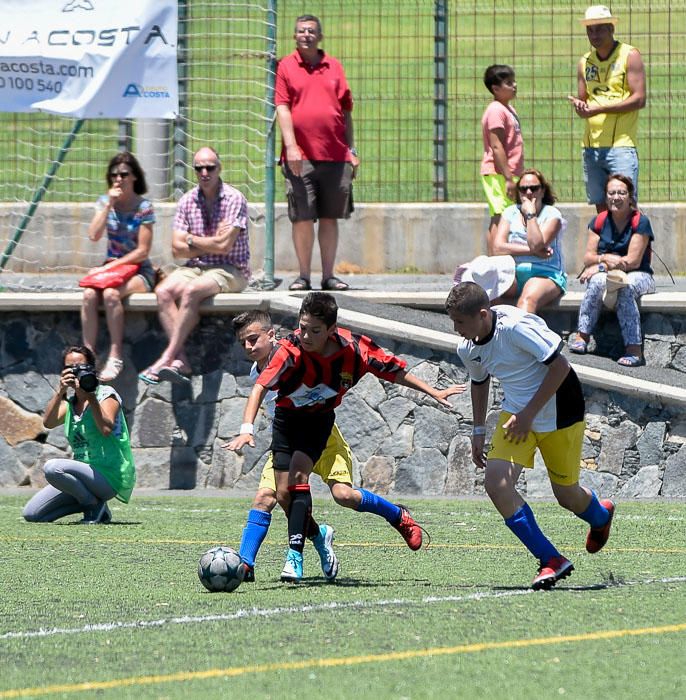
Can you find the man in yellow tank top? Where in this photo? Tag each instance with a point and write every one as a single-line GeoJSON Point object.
{"type": "Point", "coordinates": [611, 89]}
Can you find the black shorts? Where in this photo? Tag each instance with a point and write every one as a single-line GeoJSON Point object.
{"type": "Point", "coordinates": [299, 431]}
{"type": "Point", "coordinates": [323, 191]}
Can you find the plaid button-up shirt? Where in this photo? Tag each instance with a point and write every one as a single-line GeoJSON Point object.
{"type": "Point", "coordinates": [193, 217]}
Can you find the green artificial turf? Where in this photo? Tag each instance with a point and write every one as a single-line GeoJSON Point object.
{"type": "Point", "coordinates": [120, 607]}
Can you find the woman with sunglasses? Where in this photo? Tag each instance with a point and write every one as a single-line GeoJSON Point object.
{"type": "Point", "coordinates": [530, 231]}
{"type": "Point", "coordinates": [127, 218]}
{"type": "Point", "coordinates": [619, 239]}
{"type": "Point", "coordinates": [102, 465]}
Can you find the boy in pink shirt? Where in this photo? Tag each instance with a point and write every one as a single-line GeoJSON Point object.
{"type": "Point", "coordinates": [503, 159]}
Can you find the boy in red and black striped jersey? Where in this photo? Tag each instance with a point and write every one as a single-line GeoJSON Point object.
{"type": "Point", "coordinates": [311, 371]}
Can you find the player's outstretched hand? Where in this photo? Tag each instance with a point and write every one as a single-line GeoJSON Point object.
{"type": "Point", "coordinates": [441, 395]}
{"type": "Point", "coordinates": [239, 442]}
{"type": "Point", "coordinates": [478, 453]}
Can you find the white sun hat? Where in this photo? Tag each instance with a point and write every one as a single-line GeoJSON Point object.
{"type": "Point", "coordinates": [598, 14]}
{"type": "Point", "coordinates": [494, 273]}
{"type": "Point", "coordinates": [616, 280]}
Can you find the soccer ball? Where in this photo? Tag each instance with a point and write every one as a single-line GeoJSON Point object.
{"type": "Point", "coordinates": [220, 569]}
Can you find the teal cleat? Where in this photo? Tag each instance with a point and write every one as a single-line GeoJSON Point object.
{"type": "Point", "coordinates": [323, 543]}
{"type": "Point", "coordinates": [293, 568]}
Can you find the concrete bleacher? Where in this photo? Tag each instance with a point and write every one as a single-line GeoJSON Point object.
{"type": "Point", "coordinates": [414, 315]}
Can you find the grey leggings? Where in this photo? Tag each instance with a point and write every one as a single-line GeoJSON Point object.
{"type": "Point", "coordinates": [627, 310]}
{"type": "Point", "coordinates": [73, 487]}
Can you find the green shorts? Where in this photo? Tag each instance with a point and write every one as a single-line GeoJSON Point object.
{"type": "Point", "coordinates": [495, 188]}
{"type": "Point", "coordinates": [526, 270]}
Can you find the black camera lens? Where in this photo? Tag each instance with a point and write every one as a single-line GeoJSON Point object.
{"type": "Point", "coordinates": [86, 377]}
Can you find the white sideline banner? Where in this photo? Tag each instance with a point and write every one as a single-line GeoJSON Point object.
{"type": "Point", "coordinates": [89, 58]}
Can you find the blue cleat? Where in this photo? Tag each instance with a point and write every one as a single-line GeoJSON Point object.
{"type": "Point", "coordinates": [323, 543]}
{"type": "Point", "coordinates": [293, 568]}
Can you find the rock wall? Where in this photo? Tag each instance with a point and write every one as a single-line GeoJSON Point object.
{"type": "Point", "coordinates": [403, 442]}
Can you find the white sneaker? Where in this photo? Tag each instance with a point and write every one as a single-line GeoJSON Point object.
{"type": "Point", "coordinates": [323, 543]}
{"type": "Point", "coordinates": [293, 568]}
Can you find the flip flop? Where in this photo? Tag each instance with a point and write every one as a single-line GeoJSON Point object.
{"type": "Point", "coordinates": [111, 370]}
{"type": "Point", "coordinates": [302, 284]}
{"type": "Point", "coordinates": [333, 284]}
{"type": "Point", "coordinates": [174, 375]}
{"type": "Point", "coordinates": [579, 346]}
{"type": "Point", "coordinates": [149, 376]}
{"type": "Point", "coordinates": [631, 361]}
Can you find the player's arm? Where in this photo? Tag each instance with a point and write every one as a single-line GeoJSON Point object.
{"type": "Point", "coordinates": [518, 426]}
{"type": "Point", "coordinates": [249, 414]}
{"type": "Point", "coordinates": [496, 140]}
{"type": "Point", "coordinates": [294, 156]}
{"type": "Point", "coordinates": [580, 103]}
{"type": "Point", "coordinates": [479, 392]}
{"type": "Point", "coordinates": [350, 140]}
{"type": "Point", "coordinates": [441, 395]}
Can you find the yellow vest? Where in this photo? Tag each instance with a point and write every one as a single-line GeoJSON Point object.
{"type": "Point", "coordinates": [606, 83]}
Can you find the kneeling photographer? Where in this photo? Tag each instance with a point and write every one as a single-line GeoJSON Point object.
{"type": "Point", "coordinates": [102, 467]}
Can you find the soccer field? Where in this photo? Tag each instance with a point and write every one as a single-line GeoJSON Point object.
{"type": "Point", "coordinates": [117, 611]}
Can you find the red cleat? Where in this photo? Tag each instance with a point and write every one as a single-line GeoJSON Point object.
{"type": "Point", "coordinates": [598, 536]}
{"type": "Point", "coordinates": [409, 529]}
{"type": "Point", "coordinates": [550, 572]}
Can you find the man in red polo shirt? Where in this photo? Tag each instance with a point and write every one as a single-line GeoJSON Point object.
{"type": "Point", "coordinates": [314, 110]}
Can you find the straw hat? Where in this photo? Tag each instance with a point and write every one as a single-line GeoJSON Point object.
{"type": "Point", "coordinates": [616, 280]}
{"type": "Point", "coordinates": [598, 14]}
{"type": "Point", "coordinates": [495, 274]}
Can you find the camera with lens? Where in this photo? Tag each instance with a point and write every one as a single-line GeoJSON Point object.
{"type": "Point", "coordinates": [86, 377]}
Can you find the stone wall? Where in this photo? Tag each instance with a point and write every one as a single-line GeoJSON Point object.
{"type": "Point", "coordinates": [403, 443]}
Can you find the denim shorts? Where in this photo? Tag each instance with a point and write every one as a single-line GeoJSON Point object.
{"type": "Point", "coordinates": [526, 270]}
{"type": "Point", "coordinates": [599, 163]}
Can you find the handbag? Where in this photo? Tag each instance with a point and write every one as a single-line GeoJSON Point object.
{"type": "Point", "coordinates": [111, 277]}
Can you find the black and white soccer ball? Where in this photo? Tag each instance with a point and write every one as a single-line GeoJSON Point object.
{"type": "Point", "coordinates": [220, 569]}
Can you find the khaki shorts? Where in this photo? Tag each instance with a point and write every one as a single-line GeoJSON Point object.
{"type": "Point", "coordinates": [335, 464]}
{"type": "Point", "coordinates": [495, 188]}
{"type": "Point", "coordinates": [323, 191]}
{"type": "Point", "coordinates": [227, 277]}
{"type": "Point", "coordinates": [560, 449]}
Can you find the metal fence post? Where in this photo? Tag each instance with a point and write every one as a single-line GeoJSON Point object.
{"type": "Point", "coordinates": [440, 116]}
{"type": "Point", "coordinates": [179, 186]}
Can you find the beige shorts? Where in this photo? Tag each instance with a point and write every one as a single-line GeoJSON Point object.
{"type": "Point", "coordinates": [227, 277]}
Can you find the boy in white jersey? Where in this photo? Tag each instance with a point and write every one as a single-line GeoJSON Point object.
{"type": "Point", "coordinates": [543, 407]}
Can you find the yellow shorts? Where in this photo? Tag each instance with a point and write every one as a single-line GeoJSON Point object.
{"type": "Point", "coordinates": [560, 449]}
{"type": "Point", "coordinates": [335, 464]}
{"type": "Point", "coordinates": [227, 277]}
{"type": "Point", "coordinates": [495, 188]}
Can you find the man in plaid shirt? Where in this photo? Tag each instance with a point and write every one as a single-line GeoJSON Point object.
{"type": "Point", "coordinates": [211, 230]}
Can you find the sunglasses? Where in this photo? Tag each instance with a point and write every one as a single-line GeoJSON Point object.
{"type": "Point", "coordinates": [124, 174]}
{"type": "Point", "coordinates": [200, 168]}
{"type": "Point", "coordinates": [529, 188]}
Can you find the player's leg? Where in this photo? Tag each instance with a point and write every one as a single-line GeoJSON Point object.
{"type": "Point", "coordinates": [561, 451]}
{"type": "Point", "coordinates": [335, 467]}
{"type": "Point", "coordinates": [49, 504]}
{"type": "Point", "coordinates": [506, 460]}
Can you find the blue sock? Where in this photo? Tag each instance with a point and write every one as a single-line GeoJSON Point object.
{"type": "Point", "coordinates": [371, 503]}
{"type": "Point", "coordinates": [523, 524]}
{"type": "Point", "coordinates": [254, 532]}
{"type": "Point", "coordinates": [596, 515]}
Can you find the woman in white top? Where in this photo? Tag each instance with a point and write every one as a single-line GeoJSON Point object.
{"type": "Point", "coordinates": [531, 232]}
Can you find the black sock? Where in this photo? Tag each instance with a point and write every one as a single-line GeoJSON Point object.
{"type": "Point", "coordinates": [299, 516]}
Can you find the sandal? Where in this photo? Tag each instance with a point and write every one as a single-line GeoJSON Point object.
{"type": "Point", "coordinates": [111, 370]}
{"type": "Point", "coordinates": [149, 376]}
{"type": "Point", "coordinates": [631, 361]}
{"type": "Point", "coordinates": [333, 284]}
{"type": "Point", "coordinates": [174, 375]}
{"type": "Point", "coordinates": [302, 284]}
{"type": "Point", "coordinates": [579, 346]}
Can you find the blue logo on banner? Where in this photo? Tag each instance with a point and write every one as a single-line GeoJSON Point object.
{"type": "Point", "coordinates": [136, 90]}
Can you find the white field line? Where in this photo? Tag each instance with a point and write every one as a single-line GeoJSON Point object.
{"type": "Point", "coordinates": [299, 609]}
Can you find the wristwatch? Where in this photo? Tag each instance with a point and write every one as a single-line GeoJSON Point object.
{"type": "Point", "coordinates": [189, 240]}
{"type": "Point", "coordinates": [353, 150]}
{"type": "Point", "coordinates": [602, 267]}
{"type": "Point", "coordinates": [528, 217]}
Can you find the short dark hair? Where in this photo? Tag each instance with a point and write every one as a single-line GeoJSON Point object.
{"type": "Point", "coordinates": [630, 188]}
{"type": "Point", "coordinates": [140, 186]}
{"type": "Point", "coordinates": [81, 350]}
{"type": "Point", "coordinates": [321, 305]}
{"type": "Point", "coordinates": [308, 18]}
{"type": "Point", "coordinates": [497, 74]}
{"type": "Point", "coordinates": [549, 197]}
{"type": "Point", "coordinates": [467, 298]}
{"type": "Point", "coordinates": [247, 318]}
